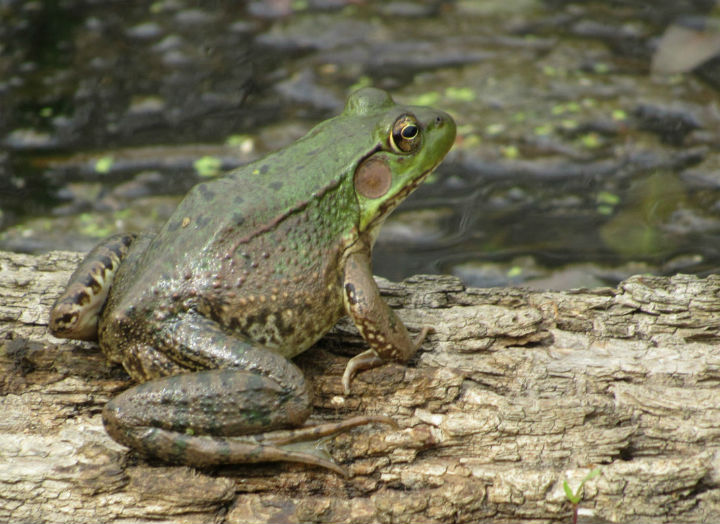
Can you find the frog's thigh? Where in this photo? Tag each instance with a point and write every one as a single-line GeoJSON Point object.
{"type": "Point", "coordinates": [225, 385]}
{"type": "Point", "coordinates": [189, 341]}
{"type": "Point", "coordinates": [219, 402]}
{"type": "Point", "coordinates": [203, 418]}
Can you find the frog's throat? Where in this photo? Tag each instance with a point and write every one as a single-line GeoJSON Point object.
{"type": "Point", "coordinates": [373, 227]}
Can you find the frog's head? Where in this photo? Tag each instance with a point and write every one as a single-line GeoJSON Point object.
{"type": "Point", "coordinates": [409, 142]}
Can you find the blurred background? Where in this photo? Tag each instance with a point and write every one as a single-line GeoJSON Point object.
{"type": "Point", "coordinates": [588, 133]}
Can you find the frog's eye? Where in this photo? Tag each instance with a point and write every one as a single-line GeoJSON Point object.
{"type": "Point", "coordinates": [405, 136]}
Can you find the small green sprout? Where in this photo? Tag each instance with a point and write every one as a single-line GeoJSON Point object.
{"type": "Point", "coordinates": [576, 496]}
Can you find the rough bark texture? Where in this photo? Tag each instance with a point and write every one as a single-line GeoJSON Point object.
{"type": "Point", "coordinates": [515, 392]}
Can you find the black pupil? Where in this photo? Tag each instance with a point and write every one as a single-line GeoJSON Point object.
{"type": "Point", "coordinates": [409, 131]}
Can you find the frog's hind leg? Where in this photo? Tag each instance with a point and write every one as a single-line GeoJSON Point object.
{"type": "Point", "coordinates": [199, 419]}
{"type": "Point", "coordinates": [75, 313]}
{"type": "Point", "coordinates": [250, 410]}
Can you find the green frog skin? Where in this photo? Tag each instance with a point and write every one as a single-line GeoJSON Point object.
{"type": "Point", "coordinates": [251, 270]}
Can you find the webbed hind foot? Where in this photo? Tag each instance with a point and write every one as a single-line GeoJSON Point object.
{"type": "Point", "coordinates": [300, 445]}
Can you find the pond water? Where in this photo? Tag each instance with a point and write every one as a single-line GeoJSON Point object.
{"type": "Point", "coordinates": [588, 133]}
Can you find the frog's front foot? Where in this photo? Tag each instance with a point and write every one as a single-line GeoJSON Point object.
{"type": "Point", "coordinates": [369, 359]}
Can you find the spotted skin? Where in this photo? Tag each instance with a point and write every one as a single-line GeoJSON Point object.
{"type": "Point", "coordinates": [383, 331]}
{"type": "Point", "coordinates": [251, 270]}
{"type": "Point", "coordinates": [76, 312]}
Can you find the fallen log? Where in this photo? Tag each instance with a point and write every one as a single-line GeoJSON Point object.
{"type": "Point", "coordinates": [514, 393]}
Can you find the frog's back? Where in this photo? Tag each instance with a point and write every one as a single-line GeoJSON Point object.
{"type": "Point", "coordinates": [257, 250]}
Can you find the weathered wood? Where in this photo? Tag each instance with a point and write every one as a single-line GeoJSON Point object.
{"type": "Point", "coordinates": [515, 392]}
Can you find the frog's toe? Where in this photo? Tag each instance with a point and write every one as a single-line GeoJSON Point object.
{"type": "Point", "coordinates": [365, 360]}
{"type": "Point", "coordinates": [312, 453]}
{"type": "Point", "coordinates": [317, 431]}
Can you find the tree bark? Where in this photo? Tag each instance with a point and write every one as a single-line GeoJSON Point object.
{"type": "Point", "coordinates": [514, 392]}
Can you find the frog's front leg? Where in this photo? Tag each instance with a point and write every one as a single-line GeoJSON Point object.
{"type": "Point", "coordinates": [381, 328]}
{"type": "Point", "coordinates": [235, 414]}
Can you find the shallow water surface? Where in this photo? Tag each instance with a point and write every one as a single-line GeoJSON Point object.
{"type": "Point", "coordinates": [588, 135]}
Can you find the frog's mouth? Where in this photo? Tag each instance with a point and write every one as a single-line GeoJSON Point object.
{"type": "Point", "coordinates": [398, 197]}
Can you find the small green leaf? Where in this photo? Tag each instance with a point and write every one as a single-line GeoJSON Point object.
{"type": "Point", "coordinates": [104, 164]}
{"type": "Point", "coordinates": [363, 81]}
{"type": "Point", "coordinates": [207, 166]}
{"type": "Point", "coordinates": [510, 152]}
{"type": "Point", "coordinates": [244, 143]}
{"type": "Point", "coordinates": [494, 129]}
{"type": "Point", "coordinates": [426, 99]}
{"type": "Point", "coordinates": [569, 493]}
{"type": "Point", "coordinates": [590, 140]}
{"type": "Point", "coordinates": [594, 473]}
{"type": "Point", "coordinates": [606, 197]}
{"type": "Point", "coordinates": [601, 68]}
{"type": "Point", "coordinates": [90, 226]}
{"type": "Point", "coordinates": [461, 94]}
{"type": "Point", "coordinates": [619, 115]}
{"type": "Point", "coordinates": [543, 130]}
{"type": "Point", "coordinates": [572, 107]}
{"type": "Point", "coordinates": [514, 271]}
{"type": "Point", "coordinates": [465, 129]}
{"type": "Point", "coordinates": [235, 140]}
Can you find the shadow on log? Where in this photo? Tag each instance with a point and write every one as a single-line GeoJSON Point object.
{"type": "Point", "coordinates": [515, 392]}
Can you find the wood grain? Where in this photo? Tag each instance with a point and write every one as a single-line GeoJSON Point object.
{"type": "Point", "coordinates": [514, 392]}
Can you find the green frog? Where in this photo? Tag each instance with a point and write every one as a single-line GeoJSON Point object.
{"type": "Point", "coordinates": [250, 270]}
